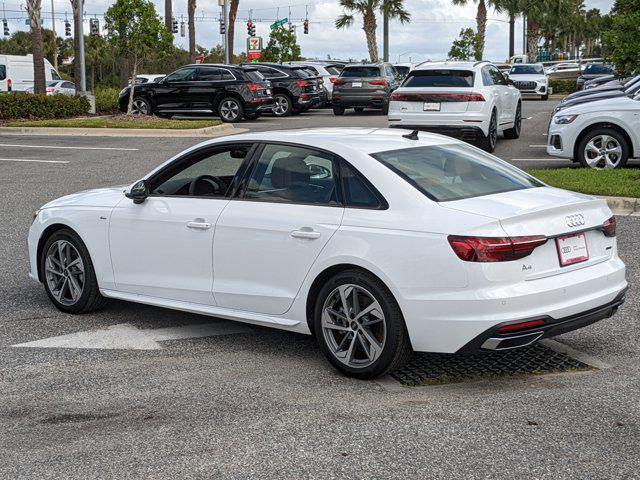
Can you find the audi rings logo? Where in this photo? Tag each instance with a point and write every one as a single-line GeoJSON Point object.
{"type": "Point", "coordinates": [576, 220]}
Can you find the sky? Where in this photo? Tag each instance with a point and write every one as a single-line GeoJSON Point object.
{"type": "Point", "coordinates": [434, 26]}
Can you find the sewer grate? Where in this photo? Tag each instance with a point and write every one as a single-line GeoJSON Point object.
{"type": "Point", "coordinates": [440, 368]}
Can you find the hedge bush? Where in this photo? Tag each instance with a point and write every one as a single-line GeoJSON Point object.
{"type": "Point", "coordinates": [107, 100]}
{"type": "Point", "coordinates": [566, 85]}
{"type": "Point", "coordinates": [14, 105]}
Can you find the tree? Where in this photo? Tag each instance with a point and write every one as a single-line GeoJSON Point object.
{"type": "Point", "coordinates": [466, 46]}
{"type": "Point", "coordinates": [191, 12]}
{"type": "Point", "coordinates": [481, 22]}
{"type": "Point", "coordinates": [135, 31]}
{"type": "Point", "coordinates": [233, 13]}
{"type": "Point", "coordinates": [34, 8]}
{"type": "Point", "coordinates": [168, 15]}
{"type": "Point", "coordinates": [368, 9]}
{"type": "Point", "coordinates": [540, 13]}
{"type": "Point", "coordinates": [282, 46]}
{"type": "Point", "coordinates": [623, 35]}
{"type": "Point", "coordinates": [512, 8]}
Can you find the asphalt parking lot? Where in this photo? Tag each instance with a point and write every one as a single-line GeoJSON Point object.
{"type": "Point", "coordinates": [190, 396]}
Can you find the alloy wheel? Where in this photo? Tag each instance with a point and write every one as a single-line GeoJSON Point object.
{"type": "Point", "coordinates": [282, 105]}
{"type": "Point", "coordinates": [493, 132]}
{"type": "Point", "coordinates": [603, 152]}
{"type": "Point", "coordinates": [354, 326]}
{"type": "Point", "coordinates": [140, 107]}
{"type": "Point", "coordinates": [230, 110]}
{"type": "Point", "coordinates": [518, 123]}
{"type": "Point", "coordinates": [64, 272]}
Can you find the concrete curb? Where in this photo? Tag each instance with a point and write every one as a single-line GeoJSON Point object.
{"type": "Point", "coordinates": [623, 206]}
{"type": "Point", "coordinates": [214, 131]}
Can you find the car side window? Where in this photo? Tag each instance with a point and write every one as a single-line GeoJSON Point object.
{"type": "Point", "coordinates": [3, 72]}
{"type": "Point", "coordinates": [68, 85]}
{"type": "Point", "coordinates": [182, 75]}
{"type": "Point", "coordinates": [487, 79]}
{"type": "Point", "coordinates": [285, 173]}
{"type": "Point", "coordinates": [356, 191]}
{"type": "Point", "coordinates": [208, 173]}
{"type": "Point", "coordinates": [496, 75]}
{"type": "Point", "coordinates": [208, 74]}
{"type": "Point", "coordinates": [270, 72]}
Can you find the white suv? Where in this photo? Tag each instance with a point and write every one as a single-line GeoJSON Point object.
{"type": "Point", "coordinates": [469, 100]}
{"type": "Point", "coordinates": [530, 79]}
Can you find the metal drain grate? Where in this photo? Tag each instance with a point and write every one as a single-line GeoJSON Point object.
{"type": "Point", "coordinates": [439, 368]}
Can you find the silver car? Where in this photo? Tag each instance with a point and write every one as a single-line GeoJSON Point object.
{"type": "Point", "coordinates": [327, 71]}
{"type": "Point", "coordinates": [54, 87]}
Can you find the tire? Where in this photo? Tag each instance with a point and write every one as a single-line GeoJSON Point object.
{"type": "Point", "coordinates": [230, 110]}
{"type": "Point", "coordinates": [336, 339]}
{"type": "Point", "coordinates": [545, 97]}
{"type": "Point", "coordinates": [141, 106]}
{"type": "Point", "coordinates": [359, 109]}
{"type": "Point", "coordinates": [591, 147]}
{"type": "Point", "coordinates": [66, 247]}
{"type": "Point", "coordinates": [488, 143]}
{"type": "Point", "coordinates": [283, 105]}
{"type": "Point", "coordinates": [338, 110]}
{"type": "Point", "coordinates": [514, 132]}
{"type": "Point", "coordinates": [252, 116]}
{"type": "Point", "coordinates": [385, 109]}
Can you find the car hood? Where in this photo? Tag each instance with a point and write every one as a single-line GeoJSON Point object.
{"type": "Point", "coordinates": [98, 197]}
{"type": "Point", "coordinates": [606, 104]}
{"type": "Point", "coordinates": [528, 78]}
{"type": "Point", "coordinates": [593, 91]}
{"type": "Point", "coordinates": [591, 98]}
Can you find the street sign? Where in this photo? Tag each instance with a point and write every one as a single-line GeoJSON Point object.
{"type": "Point", "coordinates": [279, 23]}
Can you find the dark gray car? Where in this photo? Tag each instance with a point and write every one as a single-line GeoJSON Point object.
{"type": "Point", "coordinates": [361, 86]}
{"type": "Point", "coordinates": [591, 71]}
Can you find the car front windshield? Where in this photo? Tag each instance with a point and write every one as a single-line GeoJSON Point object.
{"type": "Point", "coordinates": [527, 70]}
{"type": "Point", "coordinates": [595, 68]}
{"type": "Point", "coordinates": [453, 172]}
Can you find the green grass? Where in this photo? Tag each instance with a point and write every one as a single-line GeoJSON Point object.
{"type": "Point", "coordinates": [613, 183]}
{"type": "Point", "coordinates": [134, 122]}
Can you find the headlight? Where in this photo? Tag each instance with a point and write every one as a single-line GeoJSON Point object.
{"type": "Point", "coordinates": [564, 119]}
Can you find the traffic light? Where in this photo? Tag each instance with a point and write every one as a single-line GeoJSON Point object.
{"type": "Point", "coordinates": [249, 27]}
{"type": "Point", "coordinates": [5, 27]}
{"type": "Point", "coordinates": [223, 28]}
{"type": "Point", "coordinates": [306, 27]}
{"type": "Point", "coordinates": [183, 30]}
{"type": "Point", "coordinates": [174, 27]}
{"type": "Point", "coordinates": [292, 28]}
{"type": "Point", "coordinates": [67, 28]}
{"type": "Point", "coordinates": [94, 27]}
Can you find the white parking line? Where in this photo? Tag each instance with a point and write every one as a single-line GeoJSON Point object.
{"type": "Point", "coordinates": [540, 160]}
{"type": "Point", "coordinates": [537, 146]}
{"type": "Point", "coordinates": [31, 160]}
{"type": "Point", "coordinates": [70, 148]}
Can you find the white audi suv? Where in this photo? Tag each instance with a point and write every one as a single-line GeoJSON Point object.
{"type": "Point", "coordinates": [379, 242]}
{"type": "Point", "coordinates": [468, 100]}
{"type": "Point", "coordinates": [530, 79]}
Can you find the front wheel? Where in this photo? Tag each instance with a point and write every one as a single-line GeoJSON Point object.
{"type": "Point", "coordinates": [514, 132]}
{"type": "Point", "coordinates": [68, 275]}
{"type": "Point", "coordinates": [230, 110]}
{"type": "Point", "coordinates": [359, 326]}
{"type": "Point", "coordinates": [545, 97]}
{"type": "Point", "coordinates": [141, 106]}
{"type": "Point", "coordinates": [603, 148]}
{"type": "Point", "coordinates": [488, 143]}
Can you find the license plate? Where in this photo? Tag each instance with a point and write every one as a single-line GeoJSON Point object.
{"type": "Point", "coordinates": [356, 84]}
{"type": "Point", "coordinates": [431, 107]}
{"type": "Point", "coordinates": [572, 249]}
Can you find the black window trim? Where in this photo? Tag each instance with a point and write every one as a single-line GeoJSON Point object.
{"type": "Point", "coordinates": [219, 68]}
{"type": "Point", "coordinates": [178, 164]}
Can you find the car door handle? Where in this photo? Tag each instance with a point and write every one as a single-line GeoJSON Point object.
{"type": "Point", "coordinates": [199, 225]}
{"type": "Point", "coordinates": [304, 233]}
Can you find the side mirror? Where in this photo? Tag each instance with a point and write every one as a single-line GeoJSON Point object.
{"type": "Point", "coordinates": [138, 192]}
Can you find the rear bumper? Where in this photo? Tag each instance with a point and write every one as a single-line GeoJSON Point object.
{"type": "Point", "coordinates": [464, 125]}
{"type": "Point", "coordinates": [492, 339]}
{"type": "Point", "coordinates": [371, 100]}
{"type": "Point", "coordinates": [462, 133]}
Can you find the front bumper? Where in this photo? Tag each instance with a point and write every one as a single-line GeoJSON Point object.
{"type": "Point", "coordinates": [492, 339]}
{"type": "Point", "coordinates": [560, 140]}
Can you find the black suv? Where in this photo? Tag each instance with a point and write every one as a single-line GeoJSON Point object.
{"type": "Point", "coordinates": [365, 86]}
{"type": "Point", "coordinates": [295, 90]}
{"type": "Point", "coordinates": [232, 93]}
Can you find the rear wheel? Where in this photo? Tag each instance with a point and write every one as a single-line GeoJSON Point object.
{"type": "Point", "coordinates": [514, 132]}
{"type": "Point", "coordinates": [488, 143]}
{"type": "Point", "coordinates": [603, 148]}
{"type": "Point", "coordinates": [68, 274]}
{"type": "Point", "coordinates": [359, 326]}
{"type": "Point", "coordinates": [283, 105]}
{"type": "Point", "coordinates": [230, 110]}
{"type": "Point", "coordinates": [338, 110]}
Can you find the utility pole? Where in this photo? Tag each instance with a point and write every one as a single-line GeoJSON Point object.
{"type": "Point", "coordinates": [385, 36]}
{"type": "Point", "coordinates": [524, 35]}
{"type": "Point", "coordinates": [83, 73]}
{"type": "Point", "coordinates": [225, 16]}
{"type": "Point", "coordinates": [53, 27]}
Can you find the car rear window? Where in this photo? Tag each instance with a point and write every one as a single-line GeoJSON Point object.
{"type": "Point", "coordinates": [333, 70]}
{"type": "Point", "coordinates": [596, 68]}
{"type": "Point", "coordinates": [402, 70]}
{"type": "Point", "coordinates": [254, 76]}
{"type": "Point", "coordinates": [439, 78]}
{"type": "Point", "coordinates": [527, 70]}
{"type": "Point", "coordinates": [453, 172]}
{"type": "Point", "coordinates": [360, 72]}
{"type": "Point", "coordinates": [301, 73]}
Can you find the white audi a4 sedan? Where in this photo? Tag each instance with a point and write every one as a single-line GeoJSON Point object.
{"type": "Point", "coordinates": [379, 242]}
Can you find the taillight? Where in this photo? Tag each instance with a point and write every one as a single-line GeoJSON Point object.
{"type": "Point", "coordinates": [333, 80]}
{"type": "Point", "coordinates": [609, 227]}
{"type": "Point", "coordinates": [437, 97]}
{"type": "Point", "coordinates": [384, 83]}
{"type": "Point", "coordinates": [494, 249]}
{"type": "Point", "coordinates": [338, 81]}
{"type": "Point", "coordinates": [8, 85]}
{"type": "Point", "coordinates": [253, 87]}
{"type": "Point", "coordinates": [302, 83]}
{"type": "Point", "coordinates": [515, 327]}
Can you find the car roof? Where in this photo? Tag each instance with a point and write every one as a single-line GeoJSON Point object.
{"type": "Point", "coordinates": [451, 65]}
{"type": "Point", "coordinates": [537, 64]}
{"type": "Point", "coordinates": [364, 140]}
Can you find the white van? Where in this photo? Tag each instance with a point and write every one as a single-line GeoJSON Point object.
{"type": "Point", "coordinates": [16, 72]}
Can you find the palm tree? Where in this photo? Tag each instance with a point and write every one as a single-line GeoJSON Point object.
{"type": "Point", "coordinates": [34, 8]}
{"type": "Point", "coordinates": [542, 13]}
{"type": "Point", "coordinates": [168, 15]}
{"type": "Point", "coordinates": [192, 30]}
{"type": "Point", "coordinates": [233, 12]}
{"type": "Point", "coordinates": [368, 9]}
{"type": "Point", "coordinates": [77, 70]}
{"type": "Point", "coordinates": [512, 8]}
{"type": "Point", "coordinates": [481, 22]}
